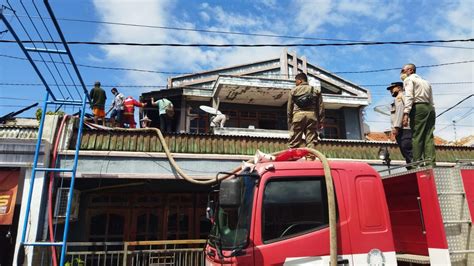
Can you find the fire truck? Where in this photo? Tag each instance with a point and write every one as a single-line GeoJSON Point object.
{"type": "Point", "coordinates": [277, 212]}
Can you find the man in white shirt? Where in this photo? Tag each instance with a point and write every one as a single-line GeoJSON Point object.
{"type": "Point", "coordinates": [117, 108]}
{"type": "Point", "coordinates": [419, 107]}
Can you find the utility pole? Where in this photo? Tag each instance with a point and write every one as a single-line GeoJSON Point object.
{"type": "Point", "coordinates": [454, 129]}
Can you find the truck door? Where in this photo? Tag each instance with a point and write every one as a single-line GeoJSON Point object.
{"type": "Point", "coordinates": [292, 226]}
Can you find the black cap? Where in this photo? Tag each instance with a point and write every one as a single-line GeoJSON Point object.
{"type": "Point", "coordinates": [395, 84]}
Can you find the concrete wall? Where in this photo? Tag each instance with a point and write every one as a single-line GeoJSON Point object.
{"type": "Point", "coordinates": [22, 152]}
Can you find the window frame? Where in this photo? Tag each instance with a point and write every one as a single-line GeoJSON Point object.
{"type": "Point", "coordinates": [304, 232]}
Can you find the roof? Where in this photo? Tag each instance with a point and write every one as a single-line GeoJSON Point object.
{"type": "Point", "coordinates": [387, 136]}
{"type": "Point", "coordinates": [466, 141]}
{"type": "Point", "coordinates": [379, 136]}
{"type": "Point", "coordinates": [135, 141]}
{"type": "Point", "coordinates": [18, 132]}
{"type": "Point", "coordinates": [276, 69]}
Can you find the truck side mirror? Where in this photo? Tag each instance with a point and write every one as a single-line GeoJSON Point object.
{"type": "Point", "coordinates": [230, 192]}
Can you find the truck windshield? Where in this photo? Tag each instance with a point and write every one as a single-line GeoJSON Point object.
{"type": "Point", "coordinates": [231, 228]}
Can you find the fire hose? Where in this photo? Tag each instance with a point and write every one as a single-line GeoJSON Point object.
{"type": "Point", "coordinates": [319, 155]}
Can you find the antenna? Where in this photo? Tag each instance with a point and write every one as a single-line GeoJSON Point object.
{"type": "Point", "coordinates": [454, 129]}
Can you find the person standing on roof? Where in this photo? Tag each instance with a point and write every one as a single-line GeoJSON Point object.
{"type": "Point", "coordinates": [305, 112]}
{"type": "Point", "coordinates": [402, 134]}
{"type": "Point", "coordinates": [98, 98]}
{"type": "Point", "coordinates": [117, 108]}
{"type": "Point", "coordinates": [166, 112]}
{"type": "Point", "coordinates": [129, 111]}
{"type": "Point", "coordinates": [419, 107]}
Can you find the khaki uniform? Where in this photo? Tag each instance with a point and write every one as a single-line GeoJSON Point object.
{"type": "Point", "coordinates": [404, 136]}
{"type": "Point", "coordinates": [420, 107]}
{"type": "Point", "coordinates": [304, 121]}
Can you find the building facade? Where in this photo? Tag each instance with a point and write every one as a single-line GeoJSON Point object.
{"type": "Point", "coordinates": [127, 190]}
{"type": "Point", "coordinates": [255, 95]}
{"type": "Point", "coordinates": [130, 204]}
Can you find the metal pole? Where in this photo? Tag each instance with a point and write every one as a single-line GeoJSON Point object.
{"type": "Point", "coordinates": [33, 171]}
{"type": "Point", "coordinates": [66, 47]}
{"type": "Point", "coordinates": [17, 39]}
{"type": "Point", "coordinates": [73, 178]}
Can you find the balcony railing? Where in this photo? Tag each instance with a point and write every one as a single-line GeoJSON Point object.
{"type": "Point", "coordinates": [137, 253]}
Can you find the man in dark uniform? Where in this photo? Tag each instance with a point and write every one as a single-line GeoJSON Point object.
{"type": "Point", "coordinates": [401, 133]}
{"type": "Point", "coordinates": [305, 114]}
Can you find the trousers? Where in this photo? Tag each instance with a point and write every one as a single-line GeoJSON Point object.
{"type": "Point", "coordinates": [422, 123]}
{"type": "Point", "coordinates": [303, 123]}
{"type": "Point", "coordinates": [404, 141]}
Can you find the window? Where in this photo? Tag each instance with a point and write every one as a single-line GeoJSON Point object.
{"type": "Point", "coordinates": [148, 225]}
{"type": "Point", "coordinates": [107, 227]}
{"type": "Point", "coordinates": [293, 207]}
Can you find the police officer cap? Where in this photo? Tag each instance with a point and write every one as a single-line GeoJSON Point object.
{"type": "Point", "coordinates": [395, 84]}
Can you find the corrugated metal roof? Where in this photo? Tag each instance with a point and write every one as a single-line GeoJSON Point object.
{"type": "Point", "coordinates": [102, 140]}
{"type": "Point", "coordinates": [18, 132]}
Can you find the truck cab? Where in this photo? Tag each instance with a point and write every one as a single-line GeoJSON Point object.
{"type": "Point", "coordinates": [276, 213]}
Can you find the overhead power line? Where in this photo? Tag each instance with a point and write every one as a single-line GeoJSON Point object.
{"type": "Point", "coordinates": [432, 83]}
{"type": "Point", "coordinates": [101, 67]}
{"type": "Point", "coordinates": [232, 32]}
{"type": "Point", "coordinates": [452, 107]}
{"type": "Point", "coordinates": [243, 44]}
{"type": "Point", "coordinates": [185, 73]}
{"type": "Point", "coordinates": [398, 68]}
{"type": "Point", "coordinates": [192, 87]}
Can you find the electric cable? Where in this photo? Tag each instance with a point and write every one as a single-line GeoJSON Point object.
{"type": "Point", "coordinates": [192, 87]}
{"type": "Point", "coordinates": [40, 55]}
{"type": "Point", "coordinates": [236, 33]}
{"type": "Point", "coordinates": [46, 47]}
{"type": "Point", "coordinates": [452, 107]}
{"type": "Point", "coordinates": [215, 45]}
{"type": "Point", "coordinates": [60, 55]}
{"type": "Point", "coordinates": [188, 73]}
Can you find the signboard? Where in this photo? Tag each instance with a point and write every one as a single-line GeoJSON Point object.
{"type": "Point", "coordinates": [8, 190]}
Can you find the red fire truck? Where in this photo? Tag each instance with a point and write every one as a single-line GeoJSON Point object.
{"type": "Point", "coordinates": [276, 213]}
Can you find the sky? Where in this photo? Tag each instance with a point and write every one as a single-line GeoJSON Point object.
{"type": "Point", "coordinates": [326, 19]}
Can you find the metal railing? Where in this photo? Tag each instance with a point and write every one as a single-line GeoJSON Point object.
{"type": "Point", "coordinates": [137, 253]}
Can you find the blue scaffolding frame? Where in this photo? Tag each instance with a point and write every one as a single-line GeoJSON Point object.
{"type": "Point", "coordinates": [51, 98]}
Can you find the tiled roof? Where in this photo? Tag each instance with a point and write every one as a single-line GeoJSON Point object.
{"type": "Point", "coordinates": [387, 136]}
{"type": "Point", "coordinates": [440, 141]}
{"type": "Point", "coordinates": [18, 132]}
{"type": "Point", "coordinates": [379, 136]}
{"type": "Point", "coordinates": [102, 140]}
{"type": "Point", "coordinates": [466, 141]}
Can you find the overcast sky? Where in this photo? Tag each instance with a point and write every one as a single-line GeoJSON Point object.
{"type": "Point", "coordinates": [346, 19]}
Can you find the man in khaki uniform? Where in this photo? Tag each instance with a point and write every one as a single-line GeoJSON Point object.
{"type": "Point", "coordinates": [305, 114]}
{"type": "Point", "coordinates": [419, 107]}
{"type": "Point", "coordinates": [402, 134]}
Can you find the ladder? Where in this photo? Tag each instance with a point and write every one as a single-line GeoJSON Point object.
{"type": "Point", "coordinates": [457, 218]}
{"type": "Point", "coordinates": [58, 92]}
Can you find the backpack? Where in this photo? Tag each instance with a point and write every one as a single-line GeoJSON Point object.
{"type": "Point", "coordinates": [305, 100]}
{"type": "Point", "coordinates": [169, 110]}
